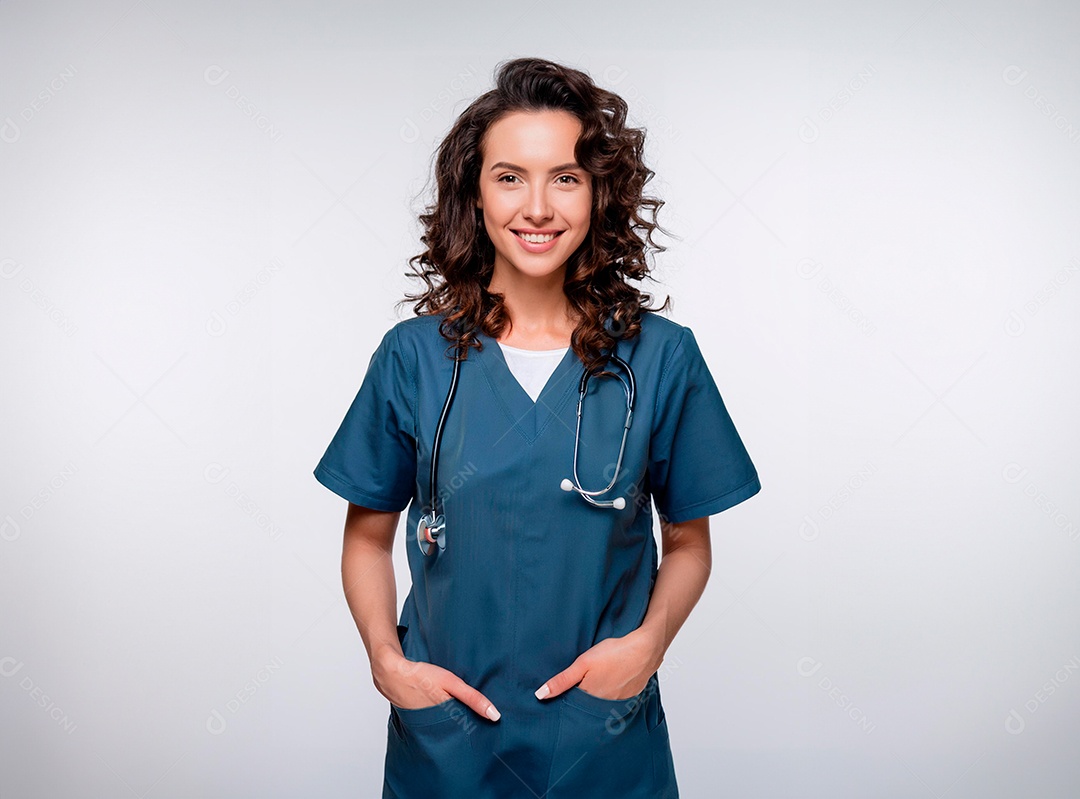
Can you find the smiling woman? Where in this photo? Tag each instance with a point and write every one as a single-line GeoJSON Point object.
{"type": "Point", "coordinates": [524, 660]}
{"type": "Point", "coordinates": [546, 151]}
{"type": "Point", "coordinates": [532, 210]}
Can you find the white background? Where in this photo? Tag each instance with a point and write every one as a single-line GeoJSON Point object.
{"type": "Point", "coordinates": [205, 213]}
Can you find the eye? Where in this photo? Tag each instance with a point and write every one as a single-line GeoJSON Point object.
{"type": "Point", "coordinates": [574, 179]}
{"type": "Point", "coordinates": [503, 177]}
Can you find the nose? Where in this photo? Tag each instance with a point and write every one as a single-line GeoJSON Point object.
{"type": "Point", "coordinates": [537, 204]}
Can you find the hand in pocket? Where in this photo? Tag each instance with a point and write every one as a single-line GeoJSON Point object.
{"type": "Point", "coordinates": [413, 685]}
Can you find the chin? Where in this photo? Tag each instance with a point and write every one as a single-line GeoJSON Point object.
{"type": "Point", "coordinates": [538, 273]}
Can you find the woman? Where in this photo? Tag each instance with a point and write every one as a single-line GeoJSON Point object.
{"type": "Point", "coordinates": [524, 661]}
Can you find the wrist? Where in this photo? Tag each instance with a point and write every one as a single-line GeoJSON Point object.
{"type": "Point", "coordinates": [385, 657]}
{"type": "Point", "coordinates": [653, 644]}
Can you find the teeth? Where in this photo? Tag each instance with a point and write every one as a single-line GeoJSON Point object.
{"type": "Point", "coordinates": [534, 238]}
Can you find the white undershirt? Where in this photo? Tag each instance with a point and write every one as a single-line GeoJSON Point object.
{"type": "Point", "coordinates": [532, 368]}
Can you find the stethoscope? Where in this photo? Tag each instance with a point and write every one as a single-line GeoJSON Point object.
{"type": "Point", "coordinates": [431, 529]}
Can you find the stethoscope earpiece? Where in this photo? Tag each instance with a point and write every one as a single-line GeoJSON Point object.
{"type": "Point", "coordinates": [630, 388]}
{"type": "Point", "coordinates": [618, 503]}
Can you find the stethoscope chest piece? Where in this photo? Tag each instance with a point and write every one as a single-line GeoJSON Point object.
{"type": "Point", "coordinates": [430, 531]}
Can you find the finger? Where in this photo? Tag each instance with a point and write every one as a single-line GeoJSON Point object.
{"type": "Point", "coordinates": [565, 679]}
{"type": "Point", "coordinates": [474, 699]}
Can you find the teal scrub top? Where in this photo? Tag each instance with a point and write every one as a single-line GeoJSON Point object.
{"type": "Point", "coordinates": [531, 575]}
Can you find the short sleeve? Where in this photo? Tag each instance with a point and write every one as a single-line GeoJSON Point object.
{"type": "Point", "coordinates": [698, 465]}
{"type": "Point", "coordinates": [371, 460]}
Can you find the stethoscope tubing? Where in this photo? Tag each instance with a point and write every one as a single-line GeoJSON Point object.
{"type": "Point", "coordinates": [442, 423]}
{"type": "Point", "coordinates": [432, 524]}
{"type": "Point", "coordinates": [431, 527]}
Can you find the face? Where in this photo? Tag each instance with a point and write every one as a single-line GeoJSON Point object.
{"type": "Point", "coordinates": [536, 200]}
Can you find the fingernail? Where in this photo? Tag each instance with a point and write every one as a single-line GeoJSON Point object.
{"type": "Point", "coordinates": [492, 713]}
{"type": "Point", "coordinates": [542, 691]}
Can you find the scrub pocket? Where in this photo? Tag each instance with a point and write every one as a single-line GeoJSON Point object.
{"type": "Point", "coordinates": [429, 747]}
{"type": "Point", "coordinates": [611, 747]}
{"type": "Point", "coordinates": [663, 763]}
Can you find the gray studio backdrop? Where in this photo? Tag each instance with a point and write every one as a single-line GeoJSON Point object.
{"type": "Point", "coordinates": [205, 212]}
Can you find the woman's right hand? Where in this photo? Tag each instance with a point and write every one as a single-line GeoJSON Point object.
{"type": "Point", "coordinates": [411, 685]}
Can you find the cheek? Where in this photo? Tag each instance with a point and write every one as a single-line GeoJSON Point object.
{"type": "Point", "coordinates": [585, 210]}
{"type": "Point", "coordinates": [583, 219]}
{"type": "Point", "coordinates": [577, 211]}
{"type": "Point", "coordinates": [498, 208]}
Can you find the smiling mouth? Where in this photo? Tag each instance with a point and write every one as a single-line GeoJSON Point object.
{"type": "Point", "coordinates": [536, 238]}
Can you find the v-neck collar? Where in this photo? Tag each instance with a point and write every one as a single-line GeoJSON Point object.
{"type": "Point", "coordinates": [528, 417]}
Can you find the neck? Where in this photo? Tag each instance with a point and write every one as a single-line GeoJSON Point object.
{"type": "Point", "coordinates": [540, 314]}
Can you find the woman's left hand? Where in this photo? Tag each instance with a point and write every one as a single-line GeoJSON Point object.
{"type": "Point", "coordinates": [615, 668]}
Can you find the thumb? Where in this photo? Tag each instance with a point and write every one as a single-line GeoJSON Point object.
{"type": "Point", "coordinates": [565, 679]}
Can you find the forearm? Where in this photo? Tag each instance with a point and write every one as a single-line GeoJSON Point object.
{"type": "Point", "coordinates": [680, 581]}
{"type": "Point", "coordinates": [367, 574]}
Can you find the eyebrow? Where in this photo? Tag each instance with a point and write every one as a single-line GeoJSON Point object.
{"type": "Point", "coordinates": [508, 165]}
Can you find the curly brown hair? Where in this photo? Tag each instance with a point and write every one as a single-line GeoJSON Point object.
{"type": "Point", "coordinates": [458, 262]}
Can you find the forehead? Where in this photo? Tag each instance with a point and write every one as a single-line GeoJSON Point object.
{"type": "Point", "coordinates": [538, 136]}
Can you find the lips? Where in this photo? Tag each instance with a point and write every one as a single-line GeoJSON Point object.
{"type": "Point", "coordinates": [535, 243]}
{"type": "Point", "coordinates": [537, 237]}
